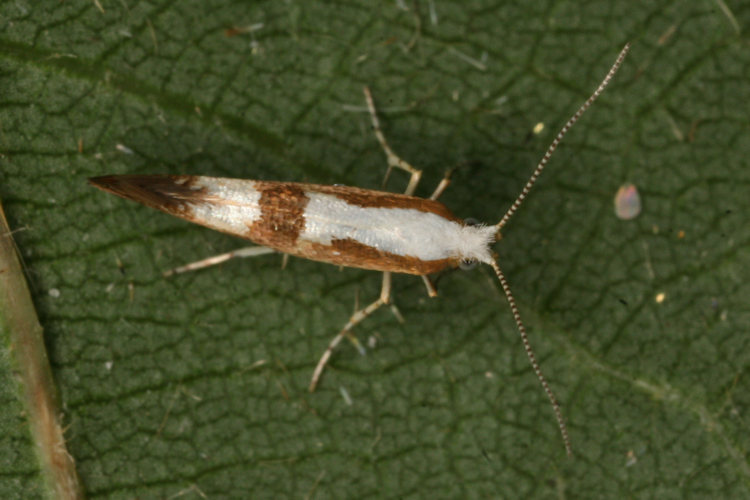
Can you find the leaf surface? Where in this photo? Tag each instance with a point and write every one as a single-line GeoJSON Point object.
{"type": "Point", "coordinates": [196, 385]}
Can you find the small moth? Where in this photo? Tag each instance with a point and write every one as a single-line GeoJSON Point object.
{"type": "Point", "coordinates": [345, 226]}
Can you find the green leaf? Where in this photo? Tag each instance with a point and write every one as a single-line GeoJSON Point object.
{"type": "Point", "coordinates": [197, 385]}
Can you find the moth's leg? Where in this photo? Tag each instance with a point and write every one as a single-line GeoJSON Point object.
{"type": "Point", "coordinates": [357, 317]}
{"type": "Point", "coordinates": [394, 161]}
{"type": "Point", "coordinates": [394, 310]}
{"type": "Point", "coordinates": [253, 251]}
{"type": "Point", "coordinates": [444, 183]}
{"type": "Point", "coordinates": [397, 313]}
{"type": "Point", "coordinates": [429, 286]}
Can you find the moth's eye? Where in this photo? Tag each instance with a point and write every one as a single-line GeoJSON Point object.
{"type": "Point", "coordinates": [471, 222]}
{"type": "Point", "coordinates": [467, 264]}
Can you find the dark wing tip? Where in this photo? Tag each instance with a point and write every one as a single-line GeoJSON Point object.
{"type": "Point", "coordinates": [107, 183]}
{"type": "Point", "coordinates": [168, 193]}
{"type": "Point", "coordinates": [131, 187]}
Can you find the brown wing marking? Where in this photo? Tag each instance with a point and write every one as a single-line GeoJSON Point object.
{"type": "Point", "coordinates": [382, 199]}
{"type": "Point", "coordinates": [351, 253]}
{"type": "Point", "coordinates": [282, 219]}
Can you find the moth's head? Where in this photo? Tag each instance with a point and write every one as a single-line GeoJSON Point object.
{"type": "Point", "coordinates": [473, 244]}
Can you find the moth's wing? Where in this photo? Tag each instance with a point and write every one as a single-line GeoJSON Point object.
{"type": "Point", "coordinates": [227, 205]}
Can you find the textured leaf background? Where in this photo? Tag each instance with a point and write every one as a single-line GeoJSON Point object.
{"type": "Point", "coordinates": [196, 385]}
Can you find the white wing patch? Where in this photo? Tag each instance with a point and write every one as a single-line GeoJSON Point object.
{"type": "Point", "coordinates": [400, 231]}
{"type": "Point", "coordinates": [230, 205]}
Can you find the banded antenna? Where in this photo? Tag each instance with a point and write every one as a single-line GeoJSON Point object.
{"type": "Point", "coordinates": [512, 210]}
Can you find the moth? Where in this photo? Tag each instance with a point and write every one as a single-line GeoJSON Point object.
{"type": "Point", "coordinates": [346, 226]}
